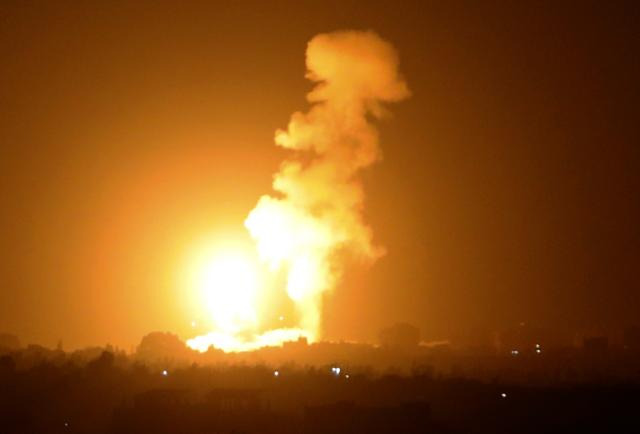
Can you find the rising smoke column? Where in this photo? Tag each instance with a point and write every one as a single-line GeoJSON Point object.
{"type": "Point", "coordinates": [313, 225]}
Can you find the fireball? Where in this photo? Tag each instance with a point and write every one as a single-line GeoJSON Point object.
{"type": "Point", "coordinates": [313, 226]}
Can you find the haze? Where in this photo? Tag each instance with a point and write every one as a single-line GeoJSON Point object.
{"type": "Point", "coordinates": [132, 136]}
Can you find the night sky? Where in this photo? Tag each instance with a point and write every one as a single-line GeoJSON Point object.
{"type": "Point", "coordinates": [132, 131]}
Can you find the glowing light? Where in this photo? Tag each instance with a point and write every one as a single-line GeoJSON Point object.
{"type": "Point", "coordinates": [504, 395]}
{"type": "Point", "coordinates": [276, 373]}
{"type": "Point", "coordinates": [235, 288]}
{"type": "Point", "coordinates": [193, 324]}
{"type": "Point", "coordinates": [165, 373]}
{"type": "Point", "coordinates": [245, 341]}
{"type": "Point", "coordinates": [230, 284]}
{"type": "Point", "coordinates": [304, 234]}
{"type": "Point", "coordinates": [514, 352]}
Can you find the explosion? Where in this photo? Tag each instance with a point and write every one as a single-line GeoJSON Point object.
{"type": "Point", "coordinates": [308, 231]}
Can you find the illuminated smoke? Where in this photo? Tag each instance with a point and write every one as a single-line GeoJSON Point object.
{"type": "Point", "coordinates": [318, 214]}
{"type": "Point", "coordinates": [313, 226]}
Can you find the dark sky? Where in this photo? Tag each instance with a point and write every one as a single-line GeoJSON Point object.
{"type": "Point", "coordinates": [508, 191]}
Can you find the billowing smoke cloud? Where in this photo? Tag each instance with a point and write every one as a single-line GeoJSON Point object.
{"type": "Point", "coordinates": [314, 224]}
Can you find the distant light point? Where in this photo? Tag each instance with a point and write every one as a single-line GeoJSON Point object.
{"type": "Point", "coordinates": [504, 395]}
{"type": "Point", "coordinates": [276, 373]}
{"type": "Point", "coordinates": [165, 372]}
{"type": "Point", "coordinates": [281, 318]}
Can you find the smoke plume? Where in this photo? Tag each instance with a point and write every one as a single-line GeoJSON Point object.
{"type": "Point", "coordinates": [313, 225]}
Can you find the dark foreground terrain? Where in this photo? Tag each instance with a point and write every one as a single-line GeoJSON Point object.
{"type": "Point", "coordinates": [116, 394]}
